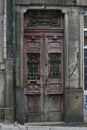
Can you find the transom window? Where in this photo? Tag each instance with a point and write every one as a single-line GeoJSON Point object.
{"type": "Point", "coordinates": [33, 61]}
{"type": "Point", "coordinates": [55, 62]}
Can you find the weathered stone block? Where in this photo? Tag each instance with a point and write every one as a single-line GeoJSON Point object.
{"type": "Point", "coordinates": [38, 128]}
{"type": "Point", "coordinates": [2, 114]}
{"type": "Point", "coordinates": [1, 7]}
{"type": "Point", "coordinates": [2, 83]}
{"type": "Point", "coordinates": [73, 105]}
{"type": "Point", "coordinates": [73, 48]}
{"type": "Point", "coordinates": [20, 106]}
{"type": "Point", "coordinates": [8, 115]}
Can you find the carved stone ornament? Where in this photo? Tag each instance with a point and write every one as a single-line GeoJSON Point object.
{"type": "Point", "coordinates": [43, 18]}
{"type": "Point", "coordinates": [40, 21]}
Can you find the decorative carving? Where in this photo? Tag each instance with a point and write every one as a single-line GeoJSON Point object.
{"type": "Point", "coordinates": [32, 47]}
{"type": "Point", "coordinates": [54, 47]}
{"type": "Point", "coordinates": [43, 18]}
{"type": "Point", "coordinates": [54, 88]}
{"type": "Point", "coordinates": [32, 88]}
{"type": "Point", "coordinates": [55, 38]}
{"type": "Point", "coordinates": [32, 37]}
{"type": "Point", "coordinates": [82, 10]}
{"type": "Point", "coordinates": [32, 44]}
{"type": "Point", "coordinates": [47, 21]}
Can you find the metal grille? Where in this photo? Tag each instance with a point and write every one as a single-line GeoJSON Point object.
{"type": "Point", "coordinates": [33, 66]}
{"type": "Point", "coordinates": [55, 61]}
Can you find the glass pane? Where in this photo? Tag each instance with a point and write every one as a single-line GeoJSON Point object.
{"type": "Point", "coordinates": [85, 38]}
{"type": "Point", "coordinates": [85, 61]}
{"type": "Point", "coordinates": [85, 78]}
{"type": "Point", "coordinates": [33, 66]}
{"type": "Point", "coordinates": [85, 21]}
{"type": "Point", "coordinates": [85, 52]}
{"type": "Point", "coordinates": [85, 86]}
{"type": "Point", "coordinates": [85, 70]}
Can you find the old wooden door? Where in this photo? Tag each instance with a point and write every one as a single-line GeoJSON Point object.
{"type": "Point", "coordinates": [43, 67]}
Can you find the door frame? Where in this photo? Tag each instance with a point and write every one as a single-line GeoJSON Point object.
{"type": "Point", "coordinates": [22, 10]}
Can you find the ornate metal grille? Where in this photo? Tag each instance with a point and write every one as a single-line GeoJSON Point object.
{"type": "Point", "coordinates": [33, 66]}
{"type": "Point", "coordinates": [55, 62]}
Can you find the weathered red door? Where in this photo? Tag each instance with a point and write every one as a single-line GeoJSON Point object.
{"type": "Point", "coordinates": [43, 70]}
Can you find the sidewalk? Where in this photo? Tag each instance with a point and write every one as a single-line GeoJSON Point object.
{"type": "Point", "coordinates": [35, 127]}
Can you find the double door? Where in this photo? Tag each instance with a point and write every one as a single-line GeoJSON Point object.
{"type": "Point", "coordinates": [43, 73]}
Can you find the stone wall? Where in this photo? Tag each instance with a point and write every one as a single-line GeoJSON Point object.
{"type": "Point", "coordinates": [52, 2]}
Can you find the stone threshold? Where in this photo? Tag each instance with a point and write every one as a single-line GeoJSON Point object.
{"type": "Point", "coordinates": [71, 124]}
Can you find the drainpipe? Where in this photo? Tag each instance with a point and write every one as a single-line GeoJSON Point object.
{"type": "Point", "coordinates": [14, 56]}
{"type": "Point", "coordinates": [5, 47]}
{"type": "Point", "coordinates": [5, 28]}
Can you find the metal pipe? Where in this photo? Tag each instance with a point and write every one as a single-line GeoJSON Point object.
{"type": "Point", "coordinates": [14, 56]}
{"type": "Point", "coordinates": [5, 47]}
{"type": "Point", "coordinates": [5, 28]}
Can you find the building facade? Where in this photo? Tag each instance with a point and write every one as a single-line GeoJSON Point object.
{"type": "Point", "coordinates": [43, 60]}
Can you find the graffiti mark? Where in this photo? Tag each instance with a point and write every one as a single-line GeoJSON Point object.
{"type": "Point", "coordinates": [85, 102]}
{"type": "Point", "coordinates": [85, 106]}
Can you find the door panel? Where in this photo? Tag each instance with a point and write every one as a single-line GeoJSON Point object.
{"type": "Point", "coordinates": [54, 108]}
{"type": "Point", "coordinates": [44, 76]}
{"type": "Point", "coordinates": [34, 103]}
{"type": "Point", "coordinates": [43, 65]}
{"type": "Point", "coordinates": [33, 106]}
{"type": "Point", "coordinates": [54, 103]}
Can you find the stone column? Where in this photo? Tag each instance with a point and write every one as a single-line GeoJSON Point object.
{"type": "Point", "coordinates": [73, 89]}
{"type": "Point", "coordinates": [20, 95]}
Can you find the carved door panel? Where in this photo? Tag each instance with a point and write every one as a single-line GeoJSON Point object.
{"type": "Point", "coordinates": [43, 64]}
{"type": "Point", "coordinates": [53, 76]}
{"type": "Point", "coordinates": [43, 58]}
